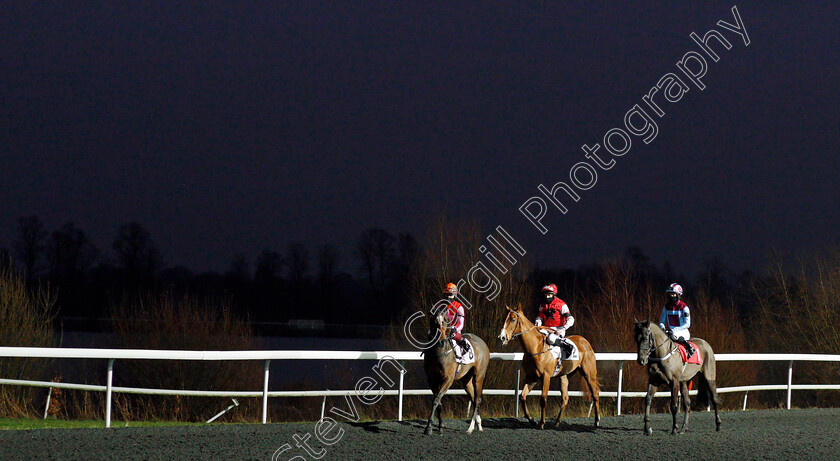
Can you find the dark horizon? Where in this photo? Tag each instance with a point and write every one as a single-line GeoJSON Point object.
{"type": "Point", "coordinates": [240, 128]}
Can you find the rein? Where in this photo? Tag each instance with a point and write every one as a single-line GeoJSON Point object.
{"type": "Point", "coordinates": [518, 321]}
{"type": "Point", "coordinates": [652, 349]}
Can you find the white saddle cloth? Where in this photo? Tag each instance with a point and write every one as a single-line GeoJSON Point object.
{"type": "Point", "coordinates": [460, 356]}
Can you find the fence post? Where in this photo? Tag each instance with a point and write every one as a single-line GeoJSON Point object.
{"type": "Point", "coordinates": [108, 387]}
{"type": "Point", "coordinates": [399, 411]}
{"type": "Point", "coordinates": [47, 407]}
{"type": "Point", "coordinates": [790, 382]}
{"type": "Point", "coordinates": [620, 377]}
{"type": "Point", "coordinates": [265, 393]}
{"type": "Point", "coordinates": [516, 394]}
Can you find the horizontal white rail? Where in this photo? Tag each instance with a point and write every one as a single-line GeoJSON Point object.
{"type": "Point", "coordinates": [266, 356]}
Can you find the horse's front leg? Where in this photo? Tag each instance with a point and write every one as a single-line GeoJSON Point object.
{"type": "Point", "coordinates": [674, 396]}
{"type": "Point", "coordinates": [526, 389]}
{"type": "Point", "coordinates": [546, 383]}
{"type": "Point", "coordinates": [435, 406]}
{"type": "Point", "coordinates": [648, 399]}
{"type": "Point", "coordinates": [686, 404]}
{"type": "Point", "coordinates": [440, 416]}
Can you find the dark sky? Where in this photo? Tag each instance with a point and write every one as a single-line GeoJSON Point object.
{"type": "Point", "coordinates": [233, 128]}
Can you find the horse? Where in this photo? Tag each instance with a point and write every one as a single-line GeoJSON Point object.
{"type": "Point", "coordinates": [442, 370]}
{"type": "Point", "coordinates": [539, 364]}
{"type": "Point", "coordinates": [658, 353]}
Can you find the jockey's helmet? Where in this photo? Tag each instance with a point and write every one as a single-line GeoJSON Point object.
{"type": "Point", "coordinates": [675, 288]}
{"type": "Point", "coordinates": [450, 289]}
{"type": "Point", "coordinates": [549, 291]}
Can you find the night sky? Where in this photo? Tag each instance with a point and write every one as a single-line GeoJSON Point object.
{"type": "Point", "coordinates": [227, 129]}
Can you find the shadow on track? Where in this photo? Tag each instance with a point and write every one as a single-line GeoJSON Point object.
{"type": "Point", "coordinates": [372, 426]}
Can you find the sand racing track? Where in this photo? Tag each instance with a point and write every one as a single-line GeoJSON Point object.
{"type": "Point", "coordinates": [811, 434]}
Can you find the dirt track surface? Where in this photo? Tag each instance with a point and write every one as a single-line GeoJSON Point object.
{"type": "Point", "coordinates": [767, 434]}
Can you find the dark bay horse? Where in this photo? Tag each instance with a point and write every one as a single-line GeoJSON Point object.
{"type": "Point", "coordinates": [442, 370]}
{"type": "Point", "coordinates": [665, 367]}
{"type": "Point", "coordinates": [539, 364]}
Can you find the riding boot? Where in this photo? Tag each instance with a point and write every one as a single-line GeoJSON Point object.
{"type": "Point", "coordinates": [689, 351]}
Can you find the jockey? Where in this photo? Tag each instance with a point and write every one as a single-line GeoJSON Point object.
{"type": "Point", "coordinates": [676, 318]}
{"type": "Point", "coordinates": [554, 313]}
{"type": "Point", "coordinates": [455, 317]}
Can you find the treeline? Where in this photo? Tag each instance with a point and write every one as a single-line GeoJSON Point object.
{"type": "Point", "coordinates": [296, 282]}
{"type": "Point", "coordinates": [780, 309]}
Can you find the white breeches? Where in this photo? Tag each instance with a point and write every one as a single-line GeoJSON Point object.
{"type": "Point", "coordinates": [682, 334]}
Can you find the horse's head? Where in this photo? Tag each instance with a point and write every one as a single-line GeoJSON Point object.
{"type": "Point", "coordinates": [439, 326]}
{"type": "Point", "coordinates": [512, 323]}
{"type": "Point", "coordinates": [644, 341]}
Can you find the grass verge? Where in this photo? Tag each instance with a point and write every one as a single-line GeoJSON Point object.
{"type": "Point", "coordinates": [52, 423]}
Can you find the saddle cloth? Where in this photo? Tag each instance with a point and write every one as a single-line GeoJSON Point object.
{"type": "Point", "coordinates": [560, 354]}
{"type": "Point", "coordinates": [694, 358]}
{"type": "Point", "coordinates": [460, 356]}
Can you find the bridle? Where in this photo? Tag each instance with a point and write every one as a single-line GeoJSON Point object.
{"type": "Point", "coordinates": [518, 322]}
{"type": "Point", "coordinates": [651, 348]}
{"type": "Point", "coordinates": [444, 340]}
{"type": "Point", "coordinates": [515, 326]}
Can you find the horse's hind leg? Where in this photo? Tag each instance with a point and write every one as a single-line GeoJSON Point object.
{"type": "Point", "coordinates": [546, 383]}
{"type": "Point", "coordinates": [595, 392]}
{"type": "Point", "coordinates": [478, 381]}
{"type": "Point", "coordinates": [479, 390]}
{"type": "Point", "coordinates": [674, 394]}
{"type": "Point", "coordinates": [470, 388]}
{"type": "Point", "coordinates": [686, 404]}
{"type": "Point", "coordinates": [564, 390]}
{"type": "Point", "coordinates": [713, 396]}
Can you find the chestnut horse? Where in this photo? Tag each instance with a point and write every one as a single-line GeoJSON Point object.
{"type": "Point", "coordinates": [442, 370]}
{"type": "Point", "coordinates": [660, 355]}
{"type": "Point", "coordinates": [539, 364]}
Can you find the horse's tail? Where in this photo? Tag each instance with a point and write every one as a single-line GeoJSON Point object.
{"type": "Point", "coordinates": [704, 394]}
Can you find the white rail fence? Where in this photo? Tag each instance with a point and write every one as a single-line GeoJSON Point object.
{"type": "Point", "coordinates": [383, 357]}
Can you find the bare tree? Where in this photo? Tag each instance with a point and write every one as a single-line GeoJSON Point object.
{"type": "Point", "coordinates": [297, 258]}
{"type": "Point", "coordinates": [30, 245]}
{"type": "Point", "coordinates": [136, 252]}
{"type": "Point", "coordinates": [269, 266]}
{"type": "Point", "coordinates": [328, 259]}
{"type": "Point", "coordinates": [70, 253]}
{"type": "Point", "coordinates": [376, 251]}
{"type": "Point", "coordinates": [240, 268]}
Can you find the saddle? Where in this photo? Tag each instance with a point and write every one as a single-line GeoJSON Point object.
{"type": "Point", "coordinates": [694, 358]}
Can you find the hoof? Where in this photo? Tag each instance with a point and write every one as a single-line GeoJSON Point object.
{"type": "Point", "coordinates": [648, 431]}
{"type": "Point", "coordinates": [428, 431]}
{"type": "Point", "coordinates": [717, 427]}
{"type": "Point", "coordinates": [598, 423]}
